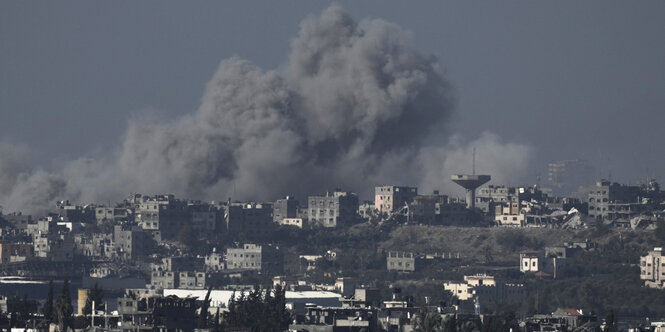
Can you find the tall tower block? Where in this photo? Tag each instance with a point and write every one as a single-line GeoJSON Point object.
{"type": "Point", "coordinates": [470, 183]}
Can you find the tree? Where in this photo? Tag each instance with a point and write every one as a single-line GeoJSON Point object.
{"type": "Point", "coordinates": [94, 294]}
{"type": "Point", "coordinates": [203, 315]}
{"type": "Point", "coordinates": [47, 310]}
{"type": "Point", "coordinates": [63, 308]}
{"type": "Point", "coordinates": [427, 321]}
{"type": "Point", "coordinates": [260, 310]}
{"type": "Point", "coordinates": [450, 324]}
{"type": "Point", "coordinates": [610, 322]}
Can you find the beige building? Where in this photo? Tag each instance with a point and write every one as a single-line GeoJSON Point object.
{"type": "Point", "coordinates": [509, 214]}
{"type": "Point", "coordinates": [652, 268]}
{"type": "Point", "coordinates": [391, 198]}
{"type": "Point", "coordinates": [297, 222]}
{"type": "Point", "coordinates": [486, 289]}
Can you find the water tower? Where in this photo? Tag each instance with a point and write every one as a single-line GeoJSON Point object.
{"type": "Point", "coordinates": [470, 183]}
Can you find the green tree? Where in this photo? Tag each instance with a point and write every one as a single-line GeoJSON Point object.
{"type": "Point", "coordinates": [94, 294]}
{"type": "Point", "coordinates": [610, 322]}
{"type": "Point", "coordinates": [203, 315]}
{"type": "Point", "coordinates": [260, 310]}
{"type": "Point", "coordinates": [427, 321]}
{"type": "Point", "coordinates": [64, 308]}
{"type": "Point", "coordinates": [450, 324]}
{"type": "Point", "coordinates": [47, 310]}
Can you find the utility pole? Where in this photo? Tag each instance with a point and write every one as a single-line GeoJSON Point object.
{"type": "Point", "coordinates": [93, 315]}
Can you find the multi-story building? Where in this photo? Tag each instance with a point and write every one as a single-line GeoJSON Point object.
{"type": "Point", "coordinates": [163, 214]}
{"type": "Point", "coordinates": [547, 265]}
{"type": "Point", "coordinates": [401, 261]}
{"type": "Point", "coordinates": [423, 208]}
{"type": "Point", "coordinates": [333, 209]}
{"type": "Point", "coordinates": [252, 219]}
{"type": "Point", "coordinates": [296, 222]}
{"type": "Point", "coordinates": [652, 269]}
{"type": "Point", "coordinates": [214, 262]}
{"type": "Point", "coordinates": [264, 259]}
{"type": "Point", "coordinates": [13, 252]}
{"type": "Point", "coordinates": [605, 193]}
{"type": "Point", "coordinates": [114, 214]}
{"type": "Point", "coordinates": [64, 211]}
{"type": "Point", "coordinates": [18, 220]}
{"type": "Point", "coordinates": [138, 313]}
{"type": "Point", "coordinates": [509, 214]}
{"type": "Point", "coordinates": [490, 196]}
{"type": "Point", "coordinates": [285, 208]}
{"type": "Point", "coordinates": [567, 176]}
{"type": "Point", "coordinates": [486, 289]}
{"type": "Point", "coordinates": [191, 280]}
{"type": "Point", "coordinates": [130, 242]}
{"type": "Point", "coordinates": [54, 247]}
{"type": "Point", "coordinates": [392, 198]}
{"type": "Point", "coordinates": [95, 246]}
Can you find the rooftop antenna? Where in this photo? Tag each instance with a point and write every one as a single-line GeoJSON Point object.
{"type": "Point", "coordinates": [473, 164]}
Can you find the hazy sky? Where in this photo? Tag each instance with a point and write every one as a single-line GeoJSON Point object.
{"type": "Point", "coordinates": [572, 79]}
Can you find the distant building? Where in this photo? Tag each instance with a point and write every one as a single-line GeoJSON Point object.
{"type": "Point", "coordinates": [157, 313]}
{"type": "Point", "coordinates": [604, 197]}
{"type": "Point", "coordinates": [652, 269]}
{"type": "Point", "coordinates": [192, 280]}
{"type": "Point", "coordinates": [411, 262]}
{"type": "Point", "coordinates": [489, 196]}
{"type": "Point", "coordinates": [14, 252]}
{"type": "Point", "coordinates": [333, 209]}
{"type": "Point", "coordinates": [112, 214]}
{"type": "Point", "coordinates": [204, 217]}
{"type": "Point", "coordinates": [162, 213]}
{"type": "Point", "coordinates": [130, 242]}
{"type": "Point", "coordinates": [423, 208]}
{"type": "Point", "coordinates": [260, 258]}
{"type": "Point", "coordinates": [486, 289]}
{"type": "Point", "coordinates": [547, 265]}
{"type": "Point", "coordinates": [401, 261]}
{"type": "Point", "coordinates": [214, 262]}
{"type": "Point", "coordinates": [54, 247]}
{"type": "Point", "coordinates": [285, 208]}
{"type": "Point", "coordinates": [391, 198]}
{"type": "Point", "coordinates": [95, 246]}
{"type": "Point", "coordinates": [297, 222]}
{"type": "Point", "coordinates": [252, 219]}
{"type": "Point", "coordinates": [509, 214]}
{"type": "Point", "coordinates": [566, 176]}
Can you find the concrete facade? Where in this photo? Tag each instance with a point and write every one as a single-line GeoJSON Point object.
{"type": "Point", "coordinates": [264, 259]}
{"type": "Point", "coordinates": [333, 209]}
{"type": "Point", "coordinates": [391, 198]}
{"type": "Point", "coordinates": [652, 269]}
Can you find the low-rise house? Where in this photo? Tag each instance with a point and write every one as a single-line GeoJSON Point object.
{"type": "Point", "coordinates": [192, 280]}
{"type": "Point", "coordinates": [214, 262]}
{"type": "Point", "coordinates": [548, 264]}
{"type": "Point", "coordinates": [296, 222]}
{"type": "Point", "coordinates": [15, 252]}
{"type": "Point", "coordinates": [157, 313]}
{"type": "Point", "coordinates": [486, 289]}
{"type": "Point", "coordinates": [333, 209]}
{"type": "Point", "coordinates": [652, 269]}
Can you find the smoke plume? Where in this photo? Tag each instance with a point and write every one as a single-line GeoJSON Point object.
{"type": "Point", "coordinates": [353, 107]}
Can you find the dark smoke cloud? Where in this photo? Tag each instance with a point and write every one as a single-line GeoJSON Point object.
{"type": "Point", "coordinates": [352, 108]}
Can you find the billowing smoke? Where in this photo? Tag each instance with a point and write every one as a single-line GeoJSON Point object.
{"type": "Point", "coordinates": [352, 108]}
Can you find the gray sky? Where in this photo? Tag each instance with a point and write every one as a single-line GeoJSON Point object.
{"type": "Point", "coordinates": [572, 79]}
